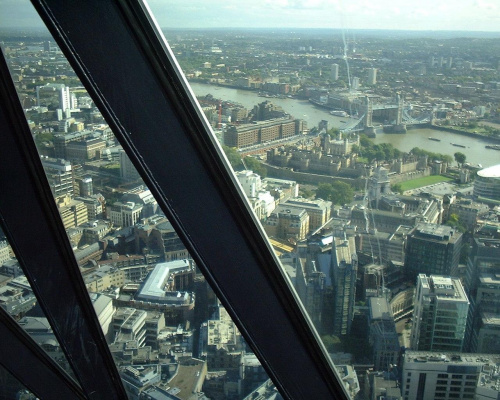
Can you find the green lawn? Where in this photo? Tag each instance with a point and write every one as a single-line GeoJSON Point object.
{"type": "Point", "coordinates": [425, 181]}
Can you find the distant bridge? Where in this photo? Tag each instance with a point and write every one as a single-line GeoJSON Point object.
{"type": "Point", "coordinates": [397, 115]}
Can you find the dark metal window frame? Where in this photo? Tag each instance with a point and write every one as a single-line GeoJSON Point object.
{"type": "Point", "coordinates": [132, 76]}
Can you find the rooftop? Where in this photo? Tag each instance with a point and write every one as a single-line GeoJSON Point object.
{"type": "Point", "coordinates": [455, 358]}
{"type": "Point", "coordinates": [490, 319]}
{"type": "Point", "coordinates": [379, 308]}
{"type": "Point", "coordinates": [185, 381]}
{"type": "Point", "coordinates": [154, 286]}
{"type": "Point", "coordinates": [443, 288]}
{"type": "Point", "coordinates": [490, 172]}
{"type": "Point", "coordinates": [436, 232]}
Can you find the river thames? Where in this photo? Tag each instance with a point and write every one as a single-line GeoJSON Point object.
{"type": "Point", "coordinates": [303, 109]}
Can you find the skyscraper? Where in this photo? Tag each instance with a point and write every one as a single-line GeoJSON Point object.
{"type": "Point", "coordinates": [334, 72]}
{"type": "Point", "coordinates": [440, 314]}
{"type": "Point", "coordinates": [343, 271]}
{"type": "Point", "coordinates": [482, 285]}
{"type": "Point", "coordinates": [372, 76]}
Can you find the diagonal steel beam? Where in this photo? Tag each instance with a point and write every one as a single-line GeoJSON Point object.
{"type": "Point", "coordinates": [21, 356]}
{"type": "Point", "coordinates": [133, 77]}
{"type": "Point", "coordinates": [36, 233]}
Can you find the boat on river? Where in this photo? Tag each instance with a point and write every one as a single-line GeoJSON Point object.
{"type": "Point", "coordinates": [436, 140]}
{"type": "Point", "coordinates": [493, 146]}
{"type": "Point", "coordinates": [339, 113]}
{"type": "Point", "coordinates": [458, 145]}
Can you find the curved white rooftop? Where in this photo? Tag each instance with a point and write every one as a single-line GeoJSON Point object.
{"type": "Point", "coordinates": [490, 172]}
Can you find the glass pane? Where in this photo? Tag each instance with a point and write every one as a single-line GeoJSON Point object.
{"type": "Point", "coordinates": [395, 152]}
{"type": "Point", "coordinates": [349, 115]}
{"type": "Point", "coordinates": [166, 330]}
{"type": "Point", "coordinates": [19, 301]}
{"type": "Point", "coordinates": [11, 388]}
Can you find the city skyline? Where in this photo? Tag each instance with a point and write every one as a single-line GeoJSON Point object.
{"type": "Point", "coordinates": [461, 15]}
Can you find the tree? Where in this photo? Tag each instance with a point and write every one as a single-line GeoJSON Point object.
{"type": "Point", "coordinates": [324, 191]}
{"type": "Point", "coordinates": [397, 188]}
{"type": "Point", "coordinates": [333, 132]}
{"type": "Point", "coordinates": [455, 222]}
{"type": "Point", "coordinates": [460, 158]}
{"type": "Point", "coordinates": [446, 158]}
{"type": "Point", "coordinates": [233, 156]}
{"type": "Point", "coordinates": [337, 192]}
{"type": "Point", "coordinates": [365, 141]}
{"type": "Point", "coordinates": [255, 166]}
{"type": "Point", "coordinates": [306, 193]}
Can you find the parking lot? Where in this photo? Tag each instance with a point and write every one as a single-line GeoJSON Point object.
{"type": "Point", "coordinates": [438, 189]}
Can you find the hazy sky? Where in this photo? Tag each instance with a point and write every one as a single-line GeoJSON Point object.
{"type": "Point", "coordinates": [469, 15]}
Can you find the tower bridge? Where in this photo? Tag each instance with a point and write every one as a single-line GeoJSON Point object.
{"type": "Point", "coordinates": [396, 117]}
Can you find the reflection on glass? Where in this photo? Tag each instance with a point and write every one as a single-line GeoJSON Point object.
{"type": "Point", "coordinates": [19, 301]}
{"type": "Point", "coordinates": [11, 388]}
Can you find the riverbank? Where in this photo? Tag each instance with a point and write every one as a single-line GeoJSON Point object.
{"type": "Point", "coordinates": [417, 136]}
{"type": "Point", "coordinates": [465, 133]}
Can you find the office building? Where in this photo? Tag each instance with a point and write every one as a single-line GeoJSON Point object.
{"type": "Point", "coordinates": [440, 314]}
{"type": "Point", "coordinates": [139, 380]}
{"type": "Point", "coordinates": [221, 342]}
{"type": "Point", "coordinates": [287, 223]}
{"type": "Point", "coordinates": [355, 83]}
{"type": "Point", "coordinates": [104, 309]}
{"type": "Point", "coordinates": [73, 212]}
{"type": "Point", "coordinates": [371, 76]}
{"type": "Point", "coordinates": [311, 283]}
{"type": "Point", "coordinates": [388, 247]}
{"type": "Point", "coordinates": [59, 173]}
{"type": "Point", "coordinates": [319, 210]}
{"type": "Point", "coordinates": [168, 284]}
{"type": "Point", "coordinates": [262, 201]}
{"type": "Point", "coordinates": [487, 184]}
{"type": "Point", "coordinates": [94, 207]}
{"type": "Point", "coordinates": [86, 149]}
{"type": "Point", "coordinates": [5, 251]}
{"type": "Point", "coordinates": [344, 268]}
{"type": "Point", "coordinates": [485, 315]}
{"type": "Point", "coordinates": [468, 212]}
{"type": "Point", "coordinates": [160, 238]}
{"type": "Point", "coordinates": [250, 182]}
{"type": "Point", "coordinates": [428, 375]}
{"type": "Point", "coordinates": [483, 290]}
{"type": "Point", "coordinates": [124, 214]}
{"type": "Point", "coordinates": [104, 278]}
{"type": "Point", "coordinates": [16, 297]}
{"type": "Point", "coordinates": [382, 386]}
{"type": "Point", "coordinates": [334, 74]}
{"type": "Point", "coordinates": [259, 132]}
{"type": "Point", "coordinates": [62, 140]}
{"type": "Point", "coordinates": [67, 100]}
{"type": "Point", "coordinates": [142, 196]}
{"type": "Point", "coordinates": [432, 249]}
{"type": "Point", "coordinates": [383, 335]}
{"type": "Point", "coordinates": [85, 186]}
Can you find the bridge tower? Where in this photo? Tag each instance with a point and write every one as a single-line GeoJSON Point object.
{"type": "Point", "coordinates": [399, 126]}
{"type": "Point", "coordinates": [368, 117]}
{"type": "Point", "coordinates": [399, 116]}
